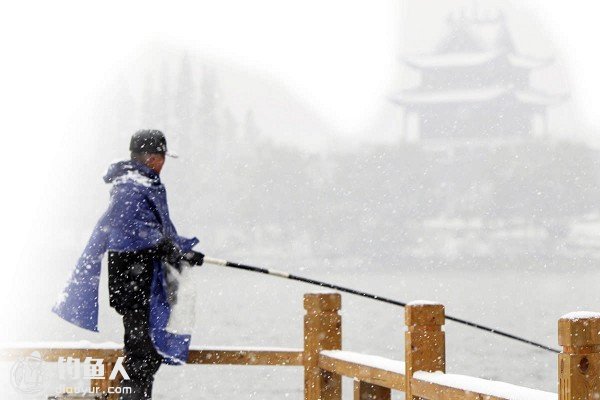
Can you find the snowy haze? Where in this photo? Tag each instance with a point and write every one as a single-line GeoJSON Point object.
{"type": "Point", "coordinates": [291, 157]}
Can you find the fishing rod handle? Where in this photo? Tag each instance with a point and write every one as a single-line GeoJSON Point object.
{"type": "Point", "coordinates": [215, 261]}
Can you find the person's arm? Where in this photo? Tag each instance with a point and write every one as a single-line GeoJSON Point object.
{"type": "Point", "coordinates": [185, 246]}
{"type": "Point", "coordinates": [134, 216]}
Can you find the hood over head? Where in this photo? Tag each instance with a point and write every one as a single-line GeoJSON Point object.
{"type": "Point", "coordinates": [131, 169]}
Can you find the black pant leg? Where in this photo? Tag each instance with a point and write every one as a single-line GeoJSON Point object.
{"type": "Point", "coordinates": [130, 277]}
{"type": "Point", "coordinates": [142, 361]}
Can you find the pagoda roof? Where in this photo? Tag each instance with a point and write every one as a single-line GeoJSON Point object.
{"type": "Point", "coordinates": [472, 59]}
{"type": "Point", "coordinates": [427, 97]}
{"type": "Point", "coordinates": [450, 59]}
{"type": "Point", "coordinates": [419, 96]}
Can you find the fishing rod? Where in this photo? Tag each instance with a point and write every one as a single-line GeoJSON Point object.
{"type": "Point", "coordinates": [286, 275]}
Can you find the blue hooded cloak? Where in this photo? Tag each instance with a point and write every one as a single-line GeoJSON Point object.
{"type": "Point", "coordinates": [137, 219]}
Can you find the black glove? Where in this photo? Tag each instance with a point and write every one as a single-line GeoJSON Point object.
{"type": "Point", "coordinates": [169, 252]}
{"type": "Point", "coordinates": [194, 258]}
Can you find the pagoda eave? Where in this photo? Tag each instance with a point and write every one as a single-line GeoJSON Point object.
{"type": "Point", "coordinates": [424, 97]}
{"type": "Point", "coordinates": [450, 60]}
{"type": "Point", "coordinates": [537, 98]}
{"type": "Point", "coordinates": [532, 97]}
{"type": "Point", "coordinates": [527, 62]}
{"type": "Point", "coordinates": [463, 60]}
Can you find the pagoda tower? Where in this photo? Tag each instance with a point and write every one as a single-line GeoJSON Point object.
{"type": "Point", "coordinates": [475, 86]}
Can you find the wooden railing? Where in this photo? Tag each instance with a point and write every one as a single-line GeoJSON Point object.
{"type": "Point", "coordinates": [421, 376]}
{"type": "Point", "coordinates": [110, 352]}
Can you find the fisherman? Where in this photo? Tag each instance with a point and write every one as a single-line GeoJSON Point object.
{"type": "Point", "coordinates": [142, 243]}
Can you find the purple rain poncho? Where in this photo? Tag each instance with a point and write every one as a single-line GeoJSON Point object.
{"type": "Point", "coordinates": [137, 219]}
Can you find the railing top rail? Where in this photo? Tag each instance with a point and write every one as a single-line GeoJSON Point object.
{"type": "Point", "coordinates": [424, 383]}
{"type": "Point", "coordinates": [366, 368]}
{"type": "Point", "coordinates": [390, 373]}
{"type": "Point", "coordinates": [366, 360]}
{"type": "Point", "coordinates": [226, 355]}
{"type": "Point", "coordinates": [84, 345]}
{"type": "Point", "coordinates": [55, 345]}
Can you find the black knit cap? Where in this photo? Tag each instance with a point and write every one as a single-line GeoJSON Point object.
{"type": "Point", "coordinates": [149, 141]}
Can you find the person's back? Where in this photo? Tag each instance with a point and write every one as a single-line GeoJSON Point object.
{"type": "Point", "coordinates": [140, 238]}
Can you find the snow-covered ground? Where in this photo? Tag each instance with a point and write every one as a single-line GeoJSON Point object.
{"type": "Point", "coordinates": [238, 308]}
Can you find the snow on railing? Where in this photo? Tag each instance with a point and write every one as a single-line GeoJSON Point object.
{"type": "Point", "coordinates": [366, 360]}
{"type": "Point", "coordinates": [379, 371]}
{"type": "Point", "coordinates": [469, 384]}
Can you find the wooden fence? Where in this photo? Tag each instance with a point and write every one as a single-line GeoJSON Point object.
{"type": "Point", "coordinates": [421, 375]}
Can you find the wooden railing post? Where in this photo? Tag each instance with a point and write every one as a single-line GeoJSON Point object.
{"type": "Point", "coordinates": [322, 331]}
{"type": "Point", "coordinates": [368, 391]}
{"type": "Point", "coordinates": [425, 342]}
{"type": "Point", "coordinates": [579, 361]}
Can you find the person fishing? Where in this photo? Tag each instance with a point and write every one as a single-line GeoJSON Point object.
{"type": "Point", "coordinates": [141, 241]}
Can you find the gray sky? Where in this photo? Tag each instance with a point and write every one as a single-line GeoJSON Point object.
{"type": "Point", "coordinates": [322, 50]}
